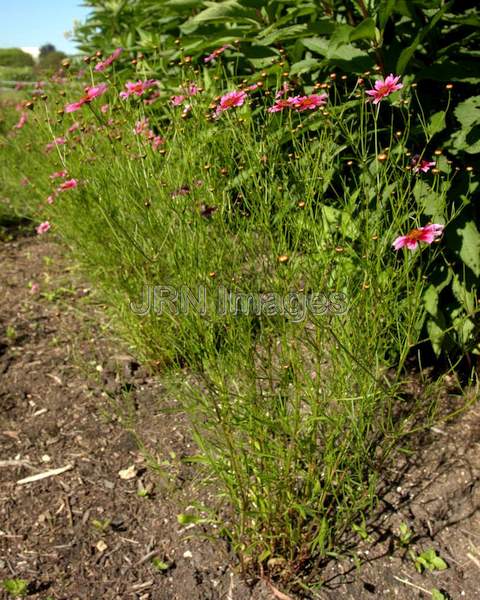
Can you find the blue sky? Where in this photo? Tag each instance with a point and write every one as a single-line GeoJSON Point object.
{"type": "Point", "coordinates": [25, 23]}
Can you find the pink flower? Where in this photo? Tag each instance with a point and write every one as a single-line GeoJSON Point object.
{"type": "Point", "coordinates": [60, 141]}
{"type": "Point", "coordinates": [43, 227]}
{"type": "Point", "coordinates": [69, 108]}
{"type": "Point", "coordinates": [58, 174]}
{"type": "Point", "coordinates": [192, 90]}
{"type": "Point", "coordinates": [421, 165]}
{"type": "Point", "coordinates": [231, 100]}
{"type": "Point", "coordinates": [74, 127]}
{"type": "Point", "coordinates": [384, 88]}
{"type": "Point", "coordinates": [425, 234]}
{"type": "Point", "coordinates": [137, 88]}
{"type": "Point", "coordinates": [283, 90]}
{"type": "Point", "coordinates": [34, 288]}
{"type": "Point", "coordinates": [141, 126]}
{"type": "Point", "coordinates": [51, 198]}
{"type": "Point", "coordinates": [90, 94]}
{"type": "Point", "coordinates": [280, 104]}
{"type": "Point", "coordinates": [104, 108]}
{"type": "Point", "coordinates": [95, 91]}
{"type": "Point", "coordinates": [157, 141]}
{"type": "Point", "coordinates": [70, 184]}
{"type": "Point", "coordinates": [177, 100]}
{"type": "Point", "coordinates": [21, 122]}
{"type": "Point", "coordinates": [216, 53]}
{"type": "Point", "coordinates": [311, 102]}
{"type": "Point", "coordinates": [101, 66]}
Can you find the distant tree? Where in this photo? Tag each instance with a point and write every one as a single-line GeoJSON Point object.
{"type": "Point", "coordinates": [15, 57]}
{"type": "Point", "coordinates": [51, 61]}
{"type": "Point", "coordinates": [47, 49]}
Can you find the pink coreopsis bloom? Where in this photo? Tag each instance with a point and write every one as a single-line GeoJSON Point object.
{"type": "Point", "coordinates": [137, 88]}
{"type": "Point", "coordinates": [231, 100]}
{"type": "Point", "coordinates": [215, 54]}
{"type": "Point", "coordinates": [425, 234]}
{"type": "Point", "coordinates": [70, 184]}
{"type": "Point", "coordinates": [421, 165]}
{"type": "Point", "coordinates": [283, 90]}
{"type": "Point", "coordinates": [101, 66]}
{"type": "Point", "coordinates": [157, 141]}
{"type": "Point", "coordinates": [104, 108]}
{"type": "Point", "coordinates": [21, 121]}
{"type": "Point", "coordinates": [51, 198]}
{"type": "Point", "coordinates": [74, 127]}
{"type": "Point", "coordinates": [192, 90]}
{"type": "Point", "coordinates": [141, 126]}
{"type": "Point", "coordinates": [177, 100]}
{"type": "Point", "coordinates": [280, 104]}
{"type": "Point", "coordinates": [90, 94]}
{"type": "Point", "coordinates": [43, 227]}
{"type": "Point", "coordinates": [58, 174]}
{"type": "Point", "coordinates": [309, 102]}
{"type": "Point", "coordinates": [95, 91]}
{"type": "Point", "coordinates": [59, 141]}
{"type": "Point", "coordinates": [384, 87]}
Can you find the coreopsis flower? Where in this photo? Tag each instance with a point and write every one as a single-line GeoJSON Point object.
{"type": "Point", "coordinates": [58, 175]}
{"type": "Point", "coordinates": [280, 104]}
{"type": "Point", "coordinates": [231, 100]}
{"type": "Point", "coordinates": [421, 165]}
{"type": "Point", "coordinates": [104, 108]}
{"type": "Point", "coordinates": [215, 54]}
{"type": "Point", "coordinates": [384, 87]}
{"type": "Point", "coordinates": [73, 127]}
{"type": "Point", "coordinates": [311, 102]}
{"type": "Point", "coordinates": [22, 120]}
{"type": "Point", "coordinates": [282, 91]}
{"type": "Point", "coordinates": [90, 94]}
{"type": "Point", "coordinates": [426, 234]}
{"type": "Point", "coordinates": [137, 88]}
{"type": "Point", "coordinates": [43, 227]}
{"type": "Point", "coordinates": [157, 141]}
{"type": "Point", "coordinates": [177, 100]}
{"type": "Point", "coordinates": [101, 66]}
{"type": "Point", "coordinates": [59, 141]}
{"type": "Point", "coordinates": [70, 184]}
{"type": "Point", "coordinates": [141, 126]}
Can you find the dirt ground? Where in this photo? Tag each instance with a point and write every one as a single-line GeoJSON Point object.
{"type": "Point", "coordinates": [107, 528]}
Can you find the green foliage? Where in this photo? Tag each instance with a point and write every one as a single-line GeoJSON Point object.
{"type": "Point", "coordinates": [17, 588]}
{"type": "Point", "coordinates": [292, 414]}
{"type": "Point", "coordinates": [51, 61]}
{"type": "Point", "coordinates": [428, 560]}
{"type": "Point", "coordinates": [16, 73]}
{"type": "Point", "coordinates": [15, 57]}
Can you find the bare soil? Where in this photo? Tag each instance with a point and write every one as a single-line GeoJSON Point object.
{"type": "Point", "coordinates": [107, 528]}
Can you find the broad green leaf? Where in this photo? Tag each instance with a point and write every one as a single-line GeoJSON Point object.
{"type": "Point", "coordinates": [437, 595]}
{"type": "Point", "coordinates": [407, 53]}
{"type": "Point", "coordinates": [228, 10]}
{"type": "Point", "coordinates": [436, 123]}
{"type": "Point", "coordinates": [470, 249]}
{"type": "Point", "coordinates": [365, 30]}
{"type": "Point", "coordinates": [316, 44]}
{"type": "Point", "coordinates": [385, 11]}
{"type": "Point", "coordinates": [305, 66]}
